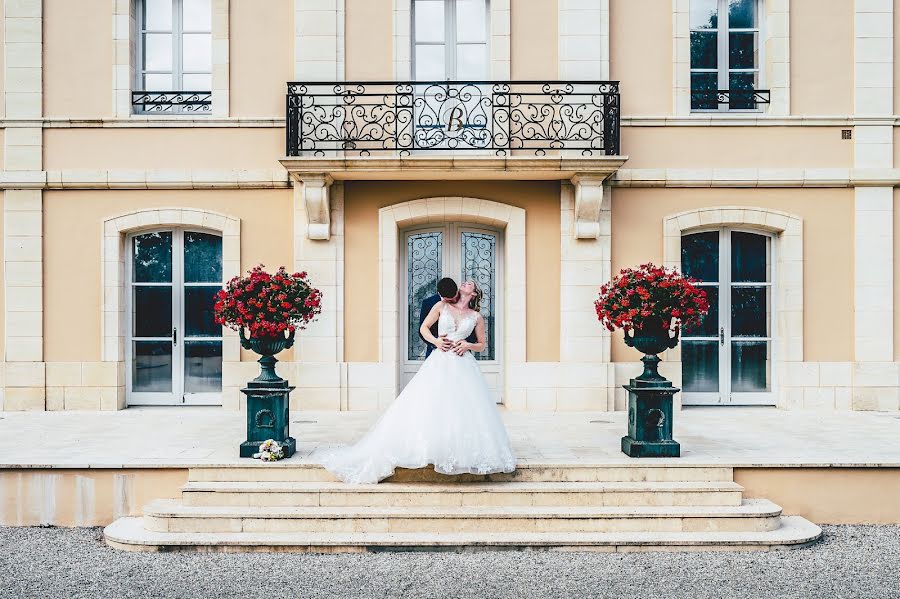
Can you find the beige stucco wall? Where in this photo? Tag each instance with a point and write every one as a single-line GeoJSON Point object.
{"type": "Point", "coordinates": [369, 40]}
{"type": "Point", "coordinates": [534, 47]}
{"type": "Point", "coordinates": [2, 67]}
{"type": "Point", "coordinates": [640, 39]}
{"type": "Point", "coordinates": [78, 58]}
{"type": "Point", "coordinates": [261, 56]}
{"type": "Point", "coordinates": [736, 147]}
{"type": "Point", "coordinates": [821, 57]}
{"type": "Point", "coordinates": [82, 497]}
{"type": "Point", "coordinates": [72, 320]}
{"type": "Point", "coordinates": [540, 200]}
{"type": "Point", "coordinates": [828, 495]}
{"type": "Point", "coordinates": [179, 149]}
{"type": "Point", "coordinates": [637, 217]}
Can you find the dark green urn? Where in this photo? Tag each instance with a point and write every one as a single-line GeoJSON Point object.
{"type": "Point", "coordinates": [268, 397]}
{"type": "Point", "coordinates": [650, 395]}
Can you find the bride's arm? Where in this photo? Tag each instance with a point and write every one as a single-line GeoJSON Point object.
{"type": "Point", "coordinates": [425, 330]}
{"type": "Point", "coordinates": [463, 346]}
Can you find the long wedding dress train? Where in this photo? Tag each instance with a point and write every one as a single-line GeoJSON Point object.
{"type": "Point", "coordinates": [446, 416]}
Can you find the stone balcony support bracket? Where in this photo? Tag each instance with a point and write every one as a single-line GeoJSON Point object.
{"type": "Point", "coordinates": [588, 205]}
{"type": "Point", "coordinates": [315, 196]}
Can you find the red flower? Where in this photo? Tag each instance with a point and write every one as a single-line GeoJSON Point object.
{"type": "Point", "coordinates": [277, 302]}
{"type": "Point", "coordinates": [649, 293]}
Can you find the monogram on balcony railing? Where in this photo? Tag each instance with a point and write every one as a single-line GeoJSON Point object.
{"type": "Point", "coordinates": [171, 102]}
{"type": "Point", "coordinates": [503, 117]}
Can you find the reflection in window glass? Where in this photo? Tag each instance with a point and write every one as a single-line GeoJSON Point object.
{"type": "Point", "coordinates": [750, 366]}
{"type": "Point", "coordinates": [202, 257]}
{"type": "Point", "coordinates": [424, 255]}
{"type": "Point", "coordinates": [152, 258]}
{"type": "Point", "coordinates": [700, 256]}
{"type": "Point", "coordinates": [700, 366]}
{"type": "Point", "coordinates": [479, 263]}
{"type": "Point", "coordinates": [725, 45]}
{"type": "Point", "coordinates": [202, 366]}
{"type": "Point", "coordinates": [749, 257]}
{"type": "Point", "coordinates": [151, 367]}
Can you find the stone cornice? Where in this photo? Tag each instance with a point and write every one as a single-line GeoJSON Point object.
{"type": "Point", "coordinates": [468, 168]}
{"type": "Point", "coordinates": [460, 167]}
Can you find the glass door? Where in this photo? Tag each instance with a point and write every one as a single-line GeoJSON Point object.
{"type": "Point", "coordinates": [727, 358]}
{"type": "Point", "coordinates": [174, 347]}
{"type": "Point", "coordinates": [461, 252]}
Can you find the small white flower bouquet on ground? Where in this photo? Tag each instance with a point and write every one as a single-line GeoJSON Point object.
{"type": "Point", "coordinates": [270, 450]}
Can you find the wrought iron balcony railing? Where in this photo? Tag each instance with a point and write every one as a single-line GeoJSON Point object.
{"type": "Point", "coordinates": [502, 117]}
{"type": "Point", "coordinates": [171, 102]}
{"type": "Point", "coordinates": [735, 99]}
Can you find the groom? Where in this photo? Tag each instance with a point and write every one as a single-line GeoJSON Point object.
{"type": "Point", "coordinates": [447, 291]}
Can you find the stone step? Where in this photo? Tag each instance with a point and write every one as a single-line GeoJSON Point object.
{"type": "Point", "coordinates": [323, 494]}
{"type": "Point", "coordinates": [291, 471]}
{"type": "Point", "coordinates": [754, 515]}
{"type": "Point", "coordinates": [129, 534]}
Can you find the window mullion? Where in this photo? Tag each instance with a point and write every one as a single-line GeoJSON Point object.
{"type": "Point", "coordinates": [723, 48]}
{"type": "Point", "coordinates": [450, 39]}
{"type": "Point", "coordinates": [176, 45]}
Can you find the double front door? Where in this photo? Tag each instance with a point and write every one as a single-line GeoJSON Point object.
{"type": "Point", "coordinates": [173, 345]}
{"type": "Point", "coordinates": [463, 253]}
{"type": "Point", "coordinates": [727, 358]}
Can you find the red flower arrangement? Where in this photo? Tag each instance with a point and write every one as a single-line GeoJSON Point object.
{"type": "Point", "coordinates": [268, 304]}
{"type": "Point", "coordinates": [647, 295]}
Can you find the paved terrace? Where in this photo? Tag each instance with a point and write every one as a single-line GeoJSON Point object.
{"type": "Point", "coordinates": [180, 437]}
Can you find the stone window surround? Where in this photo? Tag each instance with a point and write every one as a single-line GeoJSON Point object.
{"type": "Point", "coordinates": [125, 40]}
{"type": "Point", "coordinates": [509, 219]}
{"type": "Point", "coordinates": [115, 230]}
{"type": "Point", "coordinates": [787, 230]}
{"type": "Point", "coordinates": [583, 32]}
{"type": "Point", "coordinates": [774, 47]}
{"type": "Point", "coordinates": [499, 41]}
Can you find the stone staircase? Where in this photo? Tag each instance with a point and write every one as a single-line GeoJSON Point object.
{"type": "Point", "coordinates": [301, 507]}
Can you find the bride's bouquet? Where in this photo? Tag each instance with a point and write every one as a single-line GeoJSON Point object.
{"type": "Point", "coordinates": [270, 451]}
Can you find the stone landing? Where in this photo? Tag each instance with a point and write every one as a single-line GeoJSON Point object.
{"type": "Point", "coordinates": [301, 507]}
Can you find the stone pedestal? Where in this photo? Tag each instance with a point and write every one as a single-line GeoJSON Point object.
{"type": "Point", "coordinates": [268, 416]}
{"type": "Point", "coordinates": [650, 415]}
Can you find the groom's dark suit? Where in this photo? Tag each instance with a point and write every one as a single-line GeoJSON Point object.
{"type": "Point", "coordinates": [427, 304]}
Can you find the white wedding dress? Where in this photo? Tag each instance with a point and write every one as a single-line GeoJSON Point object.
{"type": "Point", "coordinates": [446, 416]}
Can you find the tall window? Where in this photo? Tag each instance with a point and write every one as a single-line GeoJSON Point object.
{"type": "Point", "coordinates": [450, 40]}
{"type": "Point", "coordinates": [725, 47]}
{"type": "Point", "coordinates": [175, 51]}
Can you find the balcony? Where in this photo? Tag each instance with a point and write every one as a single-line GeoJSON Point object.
{"type": "Point", "coordinates": [487, 118]}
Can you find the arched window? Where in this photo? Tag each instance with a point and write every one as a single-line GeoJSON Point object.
{"type": "Point", "coordinates": [727, 358]}
{"type": "Point", "coordinates": [173, 347]}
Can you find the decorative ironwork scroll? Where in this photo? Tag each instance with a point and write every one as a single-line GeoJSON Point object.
{"type": "Point", "coordinates": [361, 118]}
{"type": "Point", "coordinates": [479, 264]}
{"type": "Point", "coordinates": [424, 252]}
{"type": "Point", "coordinates": [736, 99]}
{"type": "Point", "coordinates": [174, 102]}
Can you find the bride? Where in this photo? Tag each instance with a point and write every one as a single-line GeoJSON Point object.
{"type": "Point", "coordinates": [446, 415]}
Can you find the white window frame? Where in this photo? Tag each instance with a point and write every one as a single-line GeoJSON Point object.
{"type": "Point", "coordinates": [178, 34]}
{"type": "Point", "coordinates": [451, 266]}
{"type": "Point", "coordinates": [450, 42]}
{"type": "Point", "coordinates": [722, 48]}
{"type": "Point", "coordinates": [177, 396]}
{"type": "Point", "coordinates": [725, 396]}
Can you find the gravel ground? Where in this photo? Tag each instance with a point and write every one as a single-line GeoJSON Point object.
{"type": "Point", "coordinates": [851, 561]}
